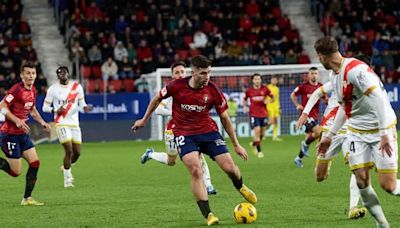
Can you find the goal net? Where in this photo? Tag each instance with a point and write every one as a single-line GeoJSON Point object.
{"type": "Point", "coordinates": [233, 81]}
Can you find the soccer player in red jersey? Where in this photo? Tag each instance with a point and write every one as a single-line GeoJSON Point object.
{"type": "Point", "coordinates": [194, 130]}
{"type": "Point", "coordinates": [14, 139]}
{"type": "Point", "coordinates": [257, 94]}
{"type": "Point", "coordinates": [312, 128]}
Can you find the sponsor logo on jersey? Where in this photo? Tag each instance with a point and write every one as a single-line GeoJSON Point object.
{"type": "Point", "coordinates": [28, 105]}
{"type": "Point", "coordinates": [258, 98]}
{"type": "Point", "coordinates": [193, 108]}
{"type": "Point", "coordinates": [205, 98]}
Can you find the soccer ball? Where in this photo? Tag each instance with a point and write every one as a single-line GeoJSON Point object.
{"type": "Point", "coordinates": [245, 213]}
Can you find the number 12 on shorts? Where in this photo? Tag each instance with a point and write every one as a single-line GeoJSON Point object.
{"type": "Point", "coordinates": [180, 140]}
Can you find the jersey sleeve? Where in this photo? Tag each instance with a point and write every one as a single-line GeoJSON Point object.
{"type": "Point", "coordinates": [81, 97]}
{"type": "Point", "coordinates": [298, 90]}
{"type": "Point", "coordinates": [219, 101]}
{"type": "Point", "coordinates": [326, 88]}
{"type": "Point", "coordinates": [167, 91]}
{"type": "Point", "coordinates": [364, 80]}
{"type": "Point", "coordinates": [246, 94]}
{"type": "Point", "coordinates": [268, 92]}
{"type": "Point", "coordinates": [12, 95]}
{"type": "Point", "coordinates": [49, 96]}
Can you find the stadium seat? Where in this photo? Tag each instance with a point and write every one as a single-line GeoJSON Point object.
{"type": "Point", "coordinates": [96, 70]}
{"type": "Point", "coordinates": [188, 39]}
{"type": "Point", "coordinates": [220, 81]}
{"type": "Point", "coordinates": [117, 84]}
{"type": "Point", "coordinates": [232, 82]}
{"type": "Point", "coordinates": [183, 54]}
{"type": "Point", "coordinates": [100, 85]}
{"type": "Point", "coordinates": [129, 85]}
{"type": "Point", "coordinates": [194, 52]}
{"type": "Point", "coordinates": [86, 72]}
{"type": "Point", "coordinates": [12, 44]}
{"type": "Point", "coordinates": [91, 86]}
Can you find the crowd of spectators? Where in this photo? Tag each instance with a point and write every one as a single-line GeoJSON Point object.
{"type": "Point", "coordinates": [365, 27]}
{"type": "Point", "coordinates": [16, 47]}
{"type": "Point", "coordinates": [143, 35]}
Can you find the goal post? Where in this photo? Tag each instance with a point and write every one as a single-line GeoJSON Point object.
{"type": "Point", "coordinates": [233, 81]}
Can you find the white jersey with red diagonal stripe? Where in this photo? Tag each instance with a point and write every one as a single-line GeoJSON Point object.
{"type": "Point", "coordinates": [57, 95]}
{"type": "Point", "coordinates": [352, 85]}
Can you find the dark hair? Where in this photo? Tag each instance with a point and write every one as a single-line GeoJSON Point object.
{"type": "Point", "coordinates": [365, 58]}
{"type": "Point", "coordinates": [255, 75]}
{"type": "Point", "coordinates": [28, 65]}
{"type": "Point", "coordinates": [62, 68]}
{"type": "Point", "coordinates": [312, 68]}
{"type": "Point", "coordinates": [200, 61]}
{"type": "Point", "coordinates": [175, 64]}
{"type": "Point", "coordinates": [326, 45]}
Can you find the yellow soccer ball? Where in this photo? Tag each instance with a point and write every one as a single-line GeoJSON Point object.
{"type": "Point", "coordinates": [245, 213]}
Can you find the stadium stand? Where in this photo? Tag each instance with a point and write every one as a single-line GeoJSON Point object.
{"type": "Point", "coordinates": [365, 28]}
{"type": "Point", "coordinates": [229, 32]}
{"type": "Point", "coordinates": [16, 47]}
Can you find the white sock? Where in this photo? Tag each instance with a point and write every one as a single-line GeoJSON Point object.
{"type": "Point", "coordinates": [371, 202]}
{"type": "Point", "coordinates": [160, 157]}
{"type": "Point", "coordinates": [396, 191]}
{"type": "Point", "coordinates": [206, 172]}
{"type": "Point", "coordinates": [67, 174]}
{"type": "Point", "coordinates": [354, 192]}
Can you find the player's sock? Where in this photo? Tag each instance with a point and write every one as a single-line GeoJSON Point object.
{"type": "Point", "coordinates": [309, 140]}
{"type": "Point", "coordinates": [206, 172]}
{"type": "Point", "coordinates": [237, 183]}
{"type": "Point", "coordinates": [275, 131]}
{"type": "Point", "coordinates": [67, 174]}
{"type": "Point", "coordinates": [258, 145]}
{"type": "Point", "coordinates": [301, 154]}
{"type": "Point", "coordinates": [204, 207]}
{"type": "Point", "coordinates": [354, 192]}
{"type": "Point", "coordinates": [396, 191]}
{"type": "Point", "coordinates": [371, 202]}
{"type": "Point", "coordinates": [31, 177]}
{"type": "Point", "coordinates": [160, 157]}
{"type": "Point", "coordinates": [4, 165]}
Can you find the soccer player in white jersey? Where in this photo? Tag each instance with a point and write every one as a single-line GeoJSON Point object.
{"type": "Point", "coordinates": [371, 132]}
{"type": "Point", "coordinates": [65, 99]}
{"type": "Point", "coordinates": [169, 157]}
{"type": "Point", "coordinates": [339, 142]}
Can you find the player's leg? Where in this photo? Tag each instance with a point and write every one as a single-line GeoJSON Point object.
{"type": "Point", "coordinates": [64, 135]}
{"type": "Point", "coordinates": [256, 139]}
{"type": "Point", "coordinates": [387, 166]}
{"type": "Point", "coordinates": [30, 155]}
{"type": "Point", "coordinates": [227, 164]}
{"type": "Point", "coordinates": [274, 115]}
{"type": "Point", "coordinates": [76, 144]}
{"type": "Point", "coordinates": [324, 162]}
{"type": "Point", "coordinates": [355, 212]}
{"type": "Point", "coordinates": [206, 176]}
{"type": "Point", "coordinates": [189, 153]}
{"type": "Point", "coordinates": [168, 157]}
{"type": "Point", "coordinates": [360, 161]}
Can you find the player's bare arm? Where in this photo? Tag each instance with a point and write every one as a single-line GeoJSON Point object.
{"type": "Point", "coordinates": [227, 124]}
{"type": "Point", "coordinates": [36, 116]}
{"type": "Point", "coordinates": [18, 122]}
{"type": "Point", "coordinates": [302, 120]}
{"type": "Point", "coordinates": [245, 109]}
{"type": "Point", "coordinates": [270, 101]}
{"type": "Point", "coordinates": [296, 103]}
{"type": "Point", "coordinates": [150, 109]}
{"type": "Point", "coordinates": [87, 108]}
{"type": "Point", "coordinates": [326, 141]}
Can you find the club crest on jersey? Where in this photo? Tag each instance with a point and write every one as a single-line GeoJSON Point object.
{"type": "Point", "coordinates": [28, 105]}
{"type": "Point", "coordinates": [9, 98]}
{"type": "Point", "coordinates": [205, 98]}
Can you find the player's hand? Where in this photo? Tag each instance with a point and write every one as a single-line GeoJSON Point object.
{"type": "Point", "coordinates": [245, 109]}
{"type": "Point", "coordinates": [60, 110]}
{"type": "Point", "coordinates": [300, 108]}
{"type": "Point", "coordinates": [323, 145]}
{"type": "Point", "coordinates": [46, 127]}
{"type": "Point", "coordinates": [88, 108]}
{"type": "Point", "coordinates": [302, 120]}
{"type": "Point", "coordinates": [21, 124]}
{"type": "Point", "coordinates": [385, 146]}
{"type": "Point", "coordinates": [138, 124]}
{"type": "Point", "coordinates": [241, 152]}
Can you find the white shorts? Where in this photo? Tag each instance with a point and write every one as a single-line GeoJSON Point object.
{"type": "Point", "coordinates": [170, 146]}
{"type": "Point", "coordinates": [67, 134]}
{"type": "Point", "coordinates": [338, 144]}
{"type": "Point", "coordinates": [366, 153]}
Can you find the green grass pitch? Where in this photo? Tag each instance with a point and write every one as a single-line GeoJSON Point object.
{"type": "Point", "coordinates": [112, 189]}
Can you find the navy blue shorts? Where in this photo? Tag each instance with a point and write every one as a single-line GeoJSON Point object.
{"type": "Point", "coordinates": [14, 145]}
{"type": "Point", "coordinates": [258, 122]}
{"type": "Point", "coordinates": [210, 143]}
{"type": "Point", "coordinates": [310, 124]}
